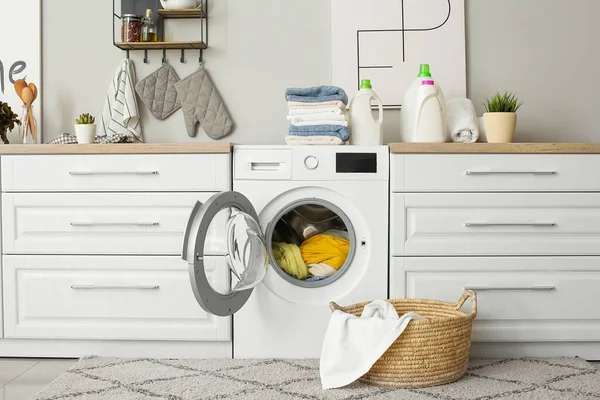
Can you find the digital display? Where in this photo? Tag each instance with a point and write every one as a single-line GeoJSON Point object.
{"type": "Point", "coordinates": [356, 163]}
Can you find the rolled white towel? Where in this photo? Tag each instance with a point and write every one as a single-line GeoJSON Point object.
{"type": "Point", "coordinates": [462, 122]}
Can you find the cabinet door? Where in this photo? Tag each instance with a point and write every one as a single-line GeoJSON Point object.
{"type": "Point", "coordinates": [121, 298]}
{"type": "Point", "coordinates": [117, 173]}
{"type": "Point", "coordinates": [96, 223]}
{"type": "Point", "coordinates": [519, 299]}
{"type": "Point", "coordinates": [496, 224]}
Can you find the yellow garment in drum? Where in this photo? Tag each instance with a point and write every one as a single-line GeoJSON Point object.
{"type": "Point", "coordinates": [325, 249]}
{"type": "Point", "coordinates": [290, 260]}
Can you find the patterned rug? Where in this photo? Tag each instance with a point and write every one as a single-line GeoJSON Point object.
{"type": "Point", "coordinates": [128, 379]}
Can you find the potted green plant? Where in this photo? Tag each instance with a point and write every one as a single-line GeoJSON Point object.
{"type": "Point", "coordinates": [85, 129]}
{"type": "Point", "coordinates": [500, 118]}
{"type": "Point", "coordinates": [8, 120]}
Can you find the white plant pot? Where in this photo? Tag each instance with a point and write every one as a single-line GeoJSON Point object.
{"type": "Point", "coordinates": [178, 4]}
{"type": "Point", "coordinates": [500, 127]}
{"type": "Point", "coordinates": [85, 133]}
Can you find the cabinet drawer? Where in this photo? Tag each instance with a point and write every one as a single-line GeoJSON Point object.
{"type": "Point", "coordinates": [85, 297]}
{"type": "Point", "coordinates": [496, 224]}
{"type": "Point", "coordinates": [89, 173]}
{"type": "Point", "coordinates": [94, 223]}
{"type": "Point", "coordinates": [495, 172]}
{"type": "Point", "coordinates": [519, 299]}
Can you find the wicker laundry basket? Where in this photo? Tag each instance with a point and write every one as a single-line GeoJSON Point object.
{"type": "Point", "coordinates": [430, 352]}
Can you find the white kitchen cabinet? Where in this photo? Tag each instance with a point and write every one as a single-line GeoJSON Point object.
{"type": "Point", "coordinates": [91, 252]}
{"type": "Point", "coordinates": [91, 297]}
{"type": "Point", "coordinates": [521, 230]}
{"type": "Point", "coordinates": [96, 223]}
{"type": "Point", "coordinates": [116, 173]}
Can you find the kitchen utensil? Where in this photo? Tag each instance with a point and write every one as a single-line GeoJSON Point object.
{"type": "Point", "coordinates": [34, 90]}
{"type": "Point", "coordinates": [27, 96]}
{"type": "Point", "coordinates": [20, 84]}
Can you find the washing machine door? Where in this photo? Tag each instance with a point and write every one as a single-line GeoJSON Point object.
{"type": "Point", "coordinates": [226, 228]}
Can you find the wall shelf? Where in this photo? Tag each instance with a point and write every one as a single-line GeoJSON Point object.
{"type": "Point", "coordinates": [140, 6]}
{"type": "Point", "coordinates": [189, 45]}
{"type": "Point", "coordinates": [185, 13]}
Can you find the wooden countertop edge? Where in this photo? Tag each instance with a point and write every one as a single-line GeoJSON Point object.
{"type": "Point", "coordinates": [495, 148]}
{"type": "Point", "coordinates": [117, 148]}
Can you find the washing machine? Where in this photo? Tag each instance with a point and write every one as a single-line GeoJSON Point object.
{"type": "Point", "coordinates": [290, 194]}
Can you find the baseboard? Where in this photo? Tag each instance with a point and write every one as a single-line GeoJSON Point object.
{"type": "Point", "coordinates": [80, 348]}
{"type": "Point", "coordinates": [585, 350]}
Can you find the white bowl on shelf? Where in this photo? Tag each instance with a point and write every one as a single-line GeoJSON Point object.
{"type": "Point", "coordinates": [178, 4]}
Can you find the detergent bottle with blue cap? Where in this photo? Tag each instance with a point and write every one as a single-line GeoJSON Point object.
{"type": "Point", "coordinates": [423, 110]}
{"type": "Point", "coordinates": [365, 130]}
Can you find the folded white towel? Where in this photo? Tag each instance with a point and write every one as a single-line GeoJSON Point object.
{"type": "Point", "coordinates": [314, 140]}
{"type": "Point", "coordinates": [463, 126]}
{"type": "Point", "coordinates": [322, 122]}
{"type": "Point", "coordinates": [352, 344]}
{"type": "Point", "coordinates": [331, 116]}
{"type": "Point", "coordinates": [292, 112]}
{"type": "Point", "coordinates": [121, 115]}
{"type": "Point", "coordinates": [321, 105]}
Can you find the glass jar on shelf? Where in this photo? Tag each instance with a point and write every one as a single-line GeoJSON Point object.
{"type": "Point", "coordinates": [131, 30]}
{"type": "Point", "coordinates": [149, 32]}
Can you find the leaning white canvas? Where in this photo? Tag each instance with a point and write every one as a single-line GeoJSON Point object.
{"type": "Point", "coordinates": [20, 56]}
{"type": "Point", "coordinates": [387, 40]}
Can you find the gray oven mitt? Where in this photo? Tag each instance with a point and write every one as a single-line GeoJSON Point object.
{"type": "Point", "coordinates": [202, 103]}
{"type": "Point", "coordinates": [158, 93]}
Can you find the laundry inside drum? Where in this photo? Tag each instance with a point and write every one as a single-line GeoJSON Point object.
{"type": "Point", "coordinates": [311, 244]}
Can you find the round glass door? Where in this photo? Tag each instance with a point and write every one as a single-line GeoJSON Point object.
{"type": "Point", "coordinates": [226, 252]}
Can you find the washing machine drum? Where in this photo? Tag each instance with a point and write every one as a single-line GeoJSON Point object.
{"type": "Point", "coordinates": [226, 251]}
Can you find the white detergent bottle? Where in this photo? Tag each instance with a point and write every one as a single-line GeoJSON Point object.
{"type": "Point", "coordinates": [364, 129]}
{"type": "Point", "coordinates": [409, 105]}
{"type": "Point", "coordinates": [429, 115]}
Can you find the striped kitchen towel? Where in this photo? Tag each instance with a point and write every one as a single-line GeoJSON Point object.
{"type": "Point", "coordinates": [121, 115]}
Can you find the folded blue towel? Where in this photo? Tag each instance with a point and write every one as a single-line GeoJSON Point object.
{"type": "Point", "coordinates": [316, 94]}
{"type": "Point", "coordinates": [320, 130]}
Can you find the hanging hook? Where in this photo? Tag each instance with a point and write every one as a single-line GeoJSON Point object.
{"type": "Point", "coordinates": [164, 59]}
{"type": "Point", "coordinates": [146, 56]}
{"type": "Point", "coordinates": [182, 59]}
{"type": "Point", "coordinates": [200, 59]}
{"type": "Point", "coordinates": [128, 54]}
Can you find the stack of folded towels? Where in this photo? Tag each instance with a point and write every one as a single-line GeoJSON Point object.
{"type": "Point", "coordinates": [317, 115]}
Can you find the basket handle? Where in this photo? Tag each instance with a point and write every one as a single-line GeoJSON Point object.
{"type": "Point", "coordinates": [466, 295]}
{"type": "Point", "coordinates": [333, 306]}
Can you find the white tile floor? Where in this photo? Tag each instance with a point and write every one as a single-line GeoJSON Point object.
{"type": "Point", "coordinates": [22, 378]}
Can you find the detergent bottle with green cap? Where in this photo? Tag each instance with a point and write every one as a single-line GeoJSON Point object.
{"type": "Point", "coordinates": [413, 109]}
{"type": "Point", "coordinates": [365, 130]}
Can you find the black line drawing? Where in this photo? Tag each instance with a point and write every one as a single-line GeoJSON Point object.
{"type": "Point", "coordinates": [403, 30]}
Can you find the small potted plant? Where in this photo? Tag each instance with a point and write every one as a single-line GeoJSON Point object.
{"type": "Point", "coordinates": [500, 118]}
{"type": "Point", "coordinates": [8, 120]}
{"type": "Point", "coordinates": [85, 129]}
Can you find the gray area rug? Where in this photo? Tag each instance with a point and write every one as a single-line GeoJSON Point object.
{"type": "Point", "coordinates": [128, 379]}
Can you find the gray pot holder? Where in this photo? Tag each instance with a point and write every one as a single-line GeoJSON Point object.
{"type": "Point", "coordinates": [202, 103]}
{"type": "Point", "coordinates": [158, 93]}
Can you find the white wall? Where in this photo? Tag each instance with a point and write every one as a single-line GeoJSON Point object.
{"type": "Point", "coordinates": [544, 50]}
{"type": "Point", "coordinates": [257, 49]}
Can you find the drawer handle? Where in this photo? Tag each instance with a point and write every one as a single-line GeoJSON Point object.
{"type": "Point", "coordinates": [84, 223]}
{"type": "Point", "coordinates": [510, 172]}
{"type": "Point", "coordinates": [88, 173]}
{"type": "Point", "coordinates": [536, 288]}
{"type": "Point", "coordinates": [114, 287]}
{"type": "Point", "coordinates": [493, 224]}
{"type": "Point", "coordinates": [265, 166]}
